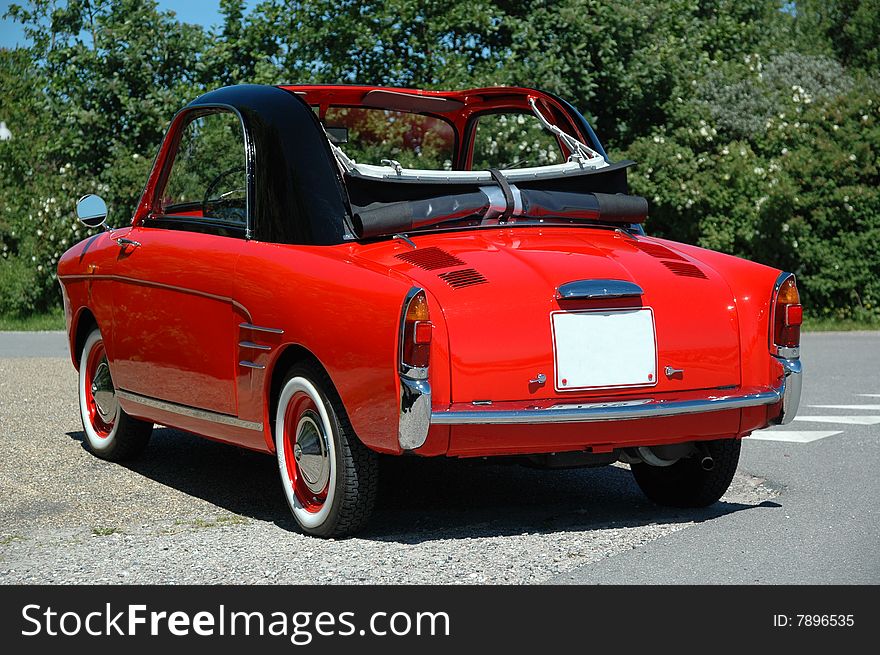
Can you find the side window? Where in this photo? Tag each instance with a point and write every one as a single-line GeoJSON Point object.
{"type": "Point", "coordinates": [207, 183]}
{"type": "Point", "coordinates": [513, 140]}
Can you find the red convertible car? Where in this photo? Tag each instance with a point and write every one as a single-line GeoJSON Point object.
{"type": "Point", "coordinates": [332, 273]}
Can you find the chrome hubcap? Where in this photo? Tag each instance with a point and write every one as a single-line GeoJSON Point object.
{"type": "Point", "coordinates": [104, 393]}
{"type": "Point", "coordinates": [311, 452]}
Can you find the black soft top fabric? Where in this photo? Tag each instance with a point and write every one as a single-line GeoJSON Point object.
{"type": "Point", "coordinates": [295, 190]}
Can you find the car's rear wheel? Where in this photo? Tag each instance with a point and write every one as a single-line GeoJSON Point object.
{"type": "Point", "coordinates": [687, 483]}
{"type": "Point", "coordinates": [110, 433]}
{"type": "Point", "coordinates": [330, 478]}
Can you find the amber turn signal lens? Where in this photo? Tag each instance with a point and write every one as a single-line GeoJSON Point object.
{"type": "Point", "coordinates": [418, 308]}
{"type": "Point", "coordinates": [415, 339]}
{"type": "Point", "coordinates": [788, 293]}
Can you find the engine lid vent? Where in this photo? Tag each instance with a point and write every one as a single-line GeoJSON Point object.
{"type": "Point", "coordinates": [466, 277]}
{"type": "Point", "coordinates": [658, 251]}
{"type": "Point", "coordinates": [430, 259]}
{"type": "Point", "coordinates": [685, 269]}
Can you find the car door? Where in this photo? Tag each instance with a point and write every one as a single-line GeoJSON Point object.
{"type": "Point", "coordinates": [174, 324]}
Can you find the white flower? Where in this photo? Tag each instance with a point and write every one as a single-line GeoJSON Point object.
{"type": "Point", "coordinates": [852, 157]}
{"type": "Point", "coordinates": [786, 227]}
{"type": "Point", "coordinates": [785, 151]}
{"type": "Point", "coordinates": [864, 118]}
{"type": "Point", "coordinates": [725, 151]}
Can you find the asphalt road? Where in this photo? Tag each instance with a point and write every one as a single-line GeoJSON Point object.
{"type": "Point", "coordinates": [803, 506]}
{"type": "Point", "coordinates": [827, 527]}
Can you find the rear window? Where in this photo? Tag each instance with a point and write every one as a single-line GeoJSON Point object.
{"type": "Point", "coordinates": [413, 140]}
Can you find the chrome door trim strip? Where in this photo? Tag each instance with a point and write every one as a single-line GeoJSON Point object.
{"type": "Point", "coordinates": [260, 328]}
{"type": "Point", "coordinates": [253, 346]}
{"type": "Point", "coordinates": [190, 412]}
{"type": "Point", "coordinates": [248, 364]}
{"type": "Point", "coordinates": [608, 411]}
{"type": "Point", "coordinates": [155, 285]}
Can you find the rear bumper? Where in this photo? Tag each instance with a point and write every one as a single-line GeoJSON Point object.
{"type": "Point", "coordinates": [622, 410]}
{"type": "Point", "coordinates": [792, 381]}
{"type": "Point", "coordinates": [525, 415]}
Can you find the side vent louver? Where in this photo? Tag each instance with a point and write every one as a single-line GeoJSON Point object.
{"type": "Point", "coordinates": [430, 259]}
{"type": "Point", "coordinates": [684, 269]}
{"type": "Point", "coordinates": [467, 277]}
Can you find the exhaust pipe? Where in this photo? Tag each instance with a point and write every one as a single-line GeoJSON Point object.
{"type": "Point", "coordinates": [707, 462]}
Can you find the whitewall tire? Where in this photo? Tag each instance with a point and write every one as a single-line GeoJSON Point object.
{"type": "Point", "coordinates": [109, 432]}
{"type": "Point", "coordinates": [328, 476]}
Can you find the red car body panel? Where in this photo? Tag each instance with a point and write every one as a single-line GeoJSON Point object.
{"type": "Point", "coordinates": [176, 310]}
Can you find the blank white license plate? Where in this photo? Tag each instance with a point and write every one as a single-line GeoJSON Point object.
{"type": "Point", "coordinates": [612, 348]}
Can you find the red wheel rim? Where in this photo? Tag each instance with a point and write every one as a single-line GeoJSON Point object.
{"type": "Point", "coordinates": [305, 452]}
{"type": "Point", "coordinates": [98, 381]}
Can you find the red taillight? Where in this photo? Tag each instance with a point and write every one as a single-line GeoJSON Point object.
{"type": "Point", "coordinates": [788, 315]}
{"type": "Point", "coordinates": [415, 337]}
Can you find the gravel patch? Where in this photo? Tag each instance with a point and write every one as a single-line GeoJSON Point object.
{"type": "Point", "coordinates": [195, 511]}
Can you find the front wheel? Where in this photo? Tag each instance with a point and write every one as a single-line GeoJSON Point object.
{"type": "Point", "coordinates": [686, 483]}
{"type": "Point", "coordinates": [110, 433]}
{"type": "Point", "coordinates": [330, 479]}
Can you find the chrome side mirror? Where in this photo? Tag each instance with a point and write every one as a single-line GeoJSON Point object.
{"type": "Point", "coordinates": [91, 210]}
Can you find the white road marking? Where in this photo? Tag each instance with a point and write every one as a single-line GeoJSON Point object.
{"type": "Point", "coordinates": [847, 420]}
{"type": "Point", "coordinates": [867, 408]}
{"type": "Point", "coordinates": [796, 436]}
{"type": "Point", "coordinates": [869, 395]}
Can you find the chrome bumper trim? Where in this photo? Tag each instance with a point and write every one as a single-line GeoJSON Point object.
{"type": "Point", "coordinates": [415, 412]}
{"type": "Point", "coordinates": [792, 382]}
{"type": "Point", "coordinates": [609, 411]}
{"type": "Point", "coordinates": [191, 412]}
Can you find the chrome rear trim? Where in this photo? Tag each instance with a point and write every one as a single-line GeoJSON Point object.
{"type": "Point", "coordinates": [623, 410]}
{"type": "Point", "coordinates": [260, 328]}
{"type": "Point", "coordinates": [190, 412]}
{"type": "Point", "coordinates": [792, 382]}
{"type": "Point", "coordinates": [587, 289]}
{"type": "Point", "coordinates": [248, 364]}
